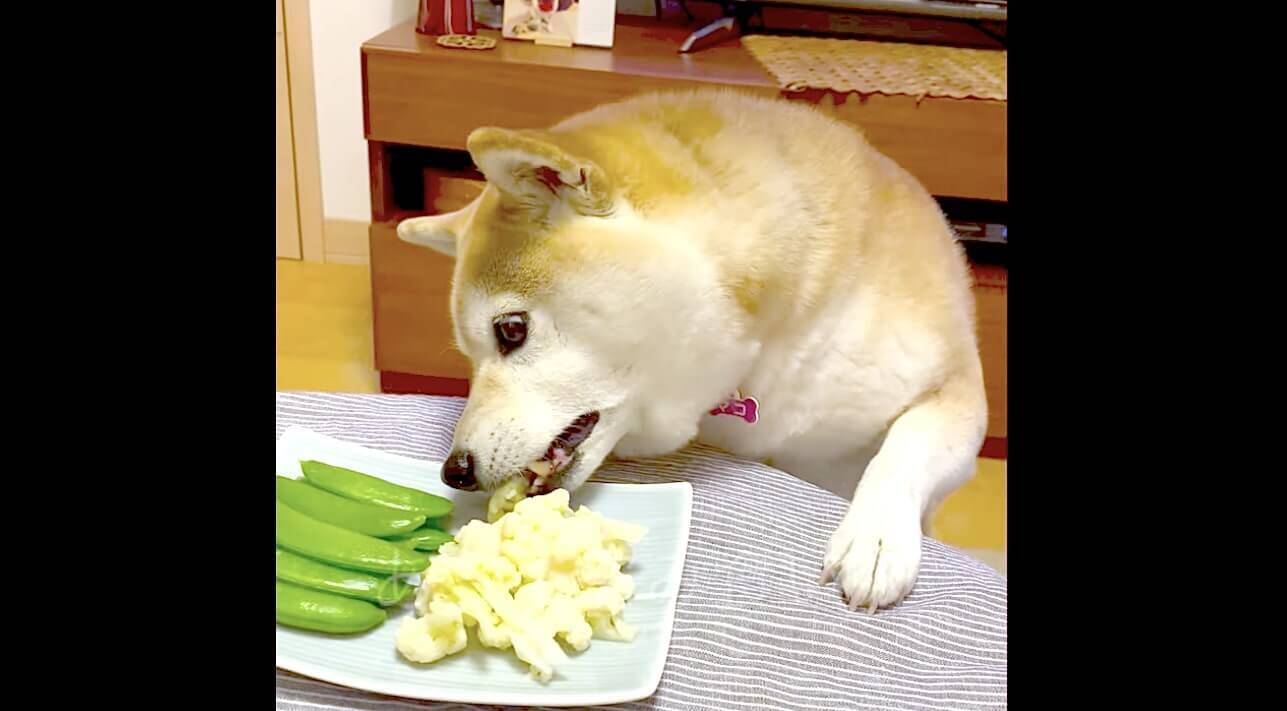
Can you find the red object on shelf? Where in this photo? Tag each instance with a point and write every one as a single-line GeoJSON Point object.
{"type": "Point", "coordinates": [445, 17]}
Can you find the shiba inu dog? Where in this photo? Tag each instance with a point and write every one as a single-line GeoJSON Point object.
{"type": "Point", "coordinates": [712, 266]}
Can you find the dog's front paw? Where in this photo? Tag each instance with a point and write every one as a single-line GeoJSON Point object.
{"type": "Point", "coordinates": [875, 553]}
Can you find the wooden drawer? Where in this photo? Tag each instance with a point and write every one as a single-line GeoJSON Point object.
{"type": "Point", "coordinates": [438, 103]}
{"type": "Point", "coordinates": [411, 289]}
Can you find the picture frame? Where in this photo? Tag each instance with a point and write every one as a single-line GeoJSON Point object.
{"type": "Point", "coordinates": [560, 22]}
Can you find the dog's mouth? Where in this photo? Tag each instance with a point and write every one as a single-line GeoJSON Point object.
{"type": "Point", "coordinates": [543, 474]}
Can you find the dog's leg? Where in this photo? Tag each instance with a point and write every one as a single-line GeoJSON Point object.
{"type": "Point", "coordinates": [929, 451]}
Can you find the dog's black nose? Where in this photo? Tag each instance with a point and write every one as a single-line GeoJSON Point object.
{"type": "Point", "coordinates": [458, 471]}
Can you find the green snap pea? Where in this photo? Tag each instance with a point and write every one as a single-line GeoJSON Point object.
{"type": "Point", "coordinates": [325, 612]}
{"type": "Point", "coordinates": [332, 544]}
{"type": "Point", "coordinates": [425, 539]}
{"type": "Point", "coordinates": [316, 575]}
{"type": "Point", "coordinates": [372, 490]}
{"type": "Point", "coordinates": [346, 513]}
{"type": "Point", "coordinates": [439, 523]}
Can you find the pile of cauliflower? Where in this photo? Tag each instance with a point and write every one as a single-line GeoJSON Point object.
{"type": "Point", "coordinates": [537, 574]}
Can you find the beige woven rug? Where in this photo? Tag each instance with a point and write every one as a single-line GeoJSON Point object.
{"type": "Point", "coordinates": [845, 65]}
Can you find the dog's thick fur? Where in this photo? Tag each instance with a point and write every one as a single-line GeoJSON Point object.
{"type": "Point", "coordinates": [673, 249]}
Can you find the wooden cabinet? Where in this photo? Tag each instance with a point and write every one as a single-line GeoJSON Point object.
{"type": "Point", "coordinates": [421, 101]}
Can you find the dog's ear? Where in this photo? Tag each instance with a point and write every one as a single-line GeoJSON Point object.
{"type": "Point", "coordinates": [441, 233]}
{"type": "Point", "coordinates": [530, 166]}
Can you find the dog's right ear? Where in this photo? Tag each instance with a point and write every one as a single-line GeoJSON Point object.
{"type": "Point", "coordinates": [441, 233]}
{"type": "Point", "coordinates": [534, 166]}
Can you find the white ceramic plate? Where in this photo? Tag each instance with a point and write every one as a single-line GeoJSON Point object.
{"type": "Point", "coordinates": [606, 673]}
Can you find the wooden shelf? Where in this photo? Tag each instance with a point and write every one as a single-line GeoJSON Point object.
{"type": "Point", "coordinates": [418, 93]}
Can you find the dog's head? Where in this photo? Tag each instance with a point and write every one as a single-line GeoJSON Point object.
{"type": "Point", "coordinates": [579, 315]}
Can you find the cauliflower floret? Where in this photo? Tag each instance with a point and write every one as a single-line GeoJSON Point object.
{"type": "Point", "coordinates": [597, 567]}
{"type": "Point", "coordinates": [568, 622]}
{"type": "Point", "coordinates": [601, 601]}
{"type": "Point", "coordinates": [437, 634]}
{"type": "Point", "coordinates": [560, 612]}
{"type": "Point", "coordinates": [504, 498]}
{"type": "Point", "coordinates": [536, 646]}
{"type": "Point", "coordinates": [619, 550]}
{"type": "Point", "coordinates": [611, 627]}
{"type": "Point", "coordinates": [564, 580]}
{"type": "Point", "coordinates": [499, 571]}
{"type": "Point", "coordinates": [575, 537]}
{"type": "Point", "coordinates": [533, 597]}
{"type": "Point", "coordinates": [530, 554]}
{"type": "Point", "coordinates": [479, 539]}
{"type": "Point", "coordinates": [624, 584]}
{"type": "Point", "coordinates": [535, 574]}
{"type": "Point", "coordinates": [480, 615]}
{"type": "Point", "coordinates": [556, 501]}
{"type": "Point", "coordinates": [616, 530]}
{"type": "Point", "coordinates": [621, 531]}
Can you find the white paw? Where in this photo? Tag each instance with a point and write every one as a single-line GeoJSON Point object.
{"type": "Point", "coordinates": [875, 553]}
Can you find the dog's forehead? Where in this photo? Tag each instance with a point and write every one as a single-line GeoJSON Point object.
{"type": "Point", "coordinates": [503, 251]}
{"type": "Point", "coordinates": [510, 251]}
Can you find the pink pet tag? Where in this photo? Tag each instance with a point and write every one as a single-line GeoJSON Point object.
{"type": "Point", "coordinates": [746, 408]}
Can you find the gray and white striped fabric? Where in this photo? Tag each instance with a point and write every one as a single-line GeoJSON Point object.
{"type": "Point", "coordinates": [753, 629]}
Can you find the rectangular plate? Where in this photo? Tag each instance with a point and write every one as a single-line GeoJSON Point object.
{"type": "Point", "coordinates": [606, 673]}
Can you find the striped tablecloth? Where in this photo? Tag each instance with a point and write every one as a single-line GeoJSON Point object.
{"type": "Point", "coordinates": [753, 629]}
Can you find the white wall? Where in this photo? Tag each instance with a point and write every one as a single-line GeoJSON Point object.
{"type": "Point", "coordinates": [339, 27]}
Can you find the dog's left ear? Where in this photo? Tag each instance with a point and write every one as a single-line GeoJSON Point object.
{"type": "Point", "coordinates": [529, 165]}
{"type": "Point", "coordinates": [441, 233]}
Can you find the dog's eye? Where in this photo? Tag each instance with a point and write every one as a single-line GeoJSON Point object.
{"type": "Point", "coordinates": [511, 331]}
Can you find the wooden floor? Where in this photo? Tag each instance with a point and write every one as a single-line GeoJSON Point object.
{"type": "Point", "coordinates": [324, 344]}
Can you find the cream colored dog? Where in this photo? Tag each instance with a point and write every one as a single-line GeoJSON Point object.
{"type": "Point", "coordinates": [741, 271]}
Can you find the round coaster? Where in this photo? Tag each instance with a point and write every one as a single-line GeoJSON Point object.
{"type": "Point", "coordinates": [466, 41]}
